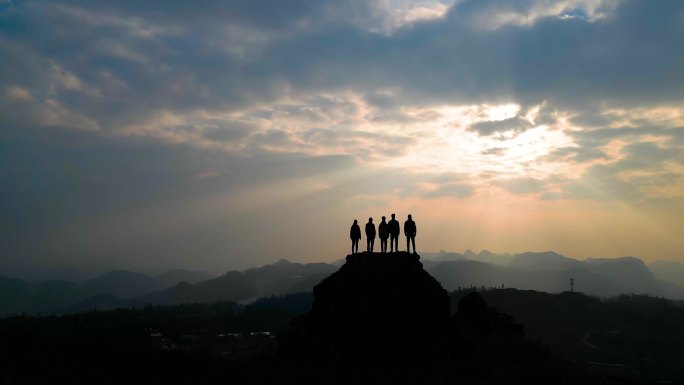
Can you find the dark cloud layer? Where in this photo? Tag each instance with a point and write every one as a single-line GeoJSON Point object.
{"type": "Point", "coordinates": [141, 59]}
{"type": "Point", "coordinates": [515, 124]}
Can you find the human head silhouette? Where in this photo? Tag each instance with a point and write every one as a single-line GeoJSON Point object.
{"type": "Point", "coordinates": [383, 218]}
{"type": "Point", "coordinates": [370, 219]}
{"type": "Point", "coordinates": [409, 216]}
{"type": "Point", "coordinates": [392, 216]}
{"type": "Point", "coordinates": [355, 221]}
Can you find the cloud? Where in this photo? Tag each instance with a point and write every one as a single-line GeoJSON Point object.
{"type": "Point", "coordinates": [494, 14]}
{"type": "Point", "coordinates": [179, 59]}
{"type": "Point", "coordinates": [109, 107]}
{"type": "Point", "coordinates": [315, 75]}
{"type": "Point", "coordinates": [364, 145]}
{"type": "Point", "coordinates": [496, 151]}
{"type": "Point", "coordinates": [228, 131]}
{"type": "Point", "coordinates": [644, 172]}
{"type": "Point", "coordinates": [514, 124]}
{"type": "Point", "coordinates": [208, 174]}
{"type": "Point", "coordinates": [457, 190]}
{"type": "Point", "coordinates": [445, 184]}
{"type": "Point", "coordinates": [521, 186]}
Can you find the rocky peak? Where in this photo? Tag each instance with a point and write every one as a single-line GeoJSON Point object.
{"type": "Point", "coordinates": [376, 306]}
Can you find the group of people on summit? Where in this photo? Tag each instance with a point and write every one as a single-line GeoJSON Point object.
{"type": "Point", "coordinates": [385, 230]}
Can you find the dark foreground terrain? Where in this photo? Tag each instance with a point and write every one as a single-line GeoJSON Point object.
{"type": "Point", "coordinates": [358, 329]}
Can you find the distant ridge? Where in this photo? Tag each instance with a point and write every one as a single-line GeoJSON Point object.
{"type": "Point", "coordinates": [544, 271]}
{"type": "Point", "coordinates": [281, 277]}
{"type": "Point", "coordinates": [551, 272]}
{"type": "Point", "coordinates": [670, 271]}
{"type": "Point", "coordinates": [122, 284]}
{"type": "Point", "coordinates": [111, 288]}
{"type": "Point", "coordinates": [175, 276]}
{"type": "Point", "coordinates": [543, 261]}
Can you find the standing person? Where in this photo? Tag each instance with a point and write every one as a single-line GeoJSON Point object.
{"type": "Point", "coordinates": [370, 235]}
{"type": "Point", "coordinates": [355, 235]}
{"type": "Point", "coordinates": [410, 232]}
{"type": "Point", "coordinates": [394, 230]}
{"type": "Point", "coordinates": [383, 233]}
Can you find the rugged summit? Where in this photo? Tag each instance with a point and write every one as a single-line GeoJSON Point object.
{"type": "Point", "coordinates": [376, 306]}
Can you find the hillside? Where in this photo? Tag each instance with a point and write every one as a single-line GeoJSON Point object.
{"type": "Point", "coordinates": [629, 329]}
{"type": "Point", "coordinates": [19, 296]}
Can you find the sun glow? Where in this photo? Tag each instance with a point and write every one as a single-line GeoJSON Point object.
{"type": "Point", "coordinates": [454, 146]}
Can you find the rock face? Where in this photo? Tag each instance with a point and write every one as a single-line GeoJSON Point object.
{"type": "Point", "coordinates": [375, 307]}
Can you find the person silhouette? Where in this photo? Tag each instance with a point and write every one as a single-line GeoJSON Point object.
{"type": "Point", "coordinates": [370, 235]}
{"type": "Point", "coordinates": [383, 233]}
{"type": "Point", "coordinates": [355, 235]}
{"type": "Point", "coordinates": [410, 232]}
{"type": "Point", "coordinates": [393, 227]}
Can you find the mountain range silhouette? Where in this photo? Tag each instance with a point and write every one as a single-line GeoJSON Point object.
{"type": "Point", "coordinates": [376, 319]}
{"type": "Point", "coordinates": [543, 271]}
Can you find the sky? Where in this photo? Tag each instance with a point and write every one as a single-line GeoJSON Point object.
{"type": "Point", "coordinates": [219, 135]}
